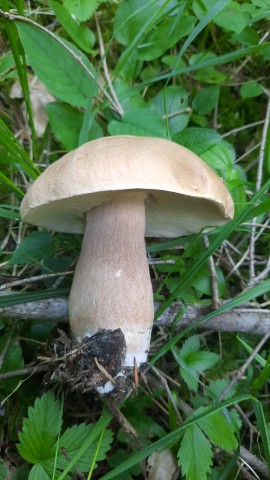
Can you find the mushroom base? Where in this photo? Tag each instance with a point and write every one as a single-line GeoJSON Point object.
{"type": "Point", "coordinates": [93, 365]}
{"type": "Point", "coordinates": [112, 287]}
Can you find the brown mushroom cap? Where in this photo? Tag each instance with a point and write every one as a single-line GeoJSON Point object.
{"type": "Point", "coordinates": [184, 195]}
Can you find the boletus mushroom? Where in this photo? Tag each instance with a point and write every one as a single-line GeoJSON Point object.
{"type": "Point", "coordinates": [117, 190]}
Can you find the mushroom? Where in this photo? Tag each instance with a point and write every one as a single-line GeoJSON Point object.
{"type": "Point", "coordinates": [116, 190]}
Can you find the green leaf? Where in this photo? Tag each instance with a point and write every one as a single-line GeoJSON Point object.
{"type": "Point", "coordinates": [219, 431]}
{"type": "Point", "coordinates": [131, 18]}
{"type": "Point", "coordinates": [38, 473]}
{"type": "Point", "coordinates": [82, 9]}
{"type": "Point", "coordinates": [217, 386]}
{"type": "Point", "coordinates": [250, 90]}
{"type": "Point", "coordinates": [80, 34]}
{"type": "Point", "coordinates": [66, 123]}
{"type": "Point", "coordinates": [141, 122]}
{"type": "Point", "coordinates": [70, 78]}
{"type": "Point", "coordinates": [172, 103]}
{"type": "Point", "coordinates": [71, 441]}
{"type": "Point", "coordinates": [197, 139]}
{"type": "Point", "coordinates": [165, 36]}
{"type": "Point", "coordinates": [34, 248]}
{"type": "Point", "coordinates": [220, 156]}
{"type": "Point", "coordinates": [195, 454]}
{"type": "Point", "coordinates": [3, 472]}
{"type": "Point", "coordinates": [94, 433]}
{"type": "Point", "coordinates": [232, 18]}
{"type": "Point", "coordinates": [192, 361]}
{"type": "Point", "coordinates": [191, 345]}
{"type": "Point", "coordinates": [40, 429]}
{"type": "Point", "coordinates": [206, 99]}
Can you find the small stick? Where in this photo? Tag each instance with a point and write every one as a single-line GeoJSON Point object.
{"type": "Point", "coordinates": [244, 127]}
{"type": "Point", "coordinates": [214, 282]}
{"type": "Point", "coordinates": [105, 67]}
{"type": "Point", "coordinates": [104, 371]}
{"type": "Point", "coordinates": [27, 281]}
{"type": "Point", "coordinates": [252, 274]}
{"type": "Point", "coordinates": [118, 415]}
{"type": "Point", "coordinates": [23, 371]}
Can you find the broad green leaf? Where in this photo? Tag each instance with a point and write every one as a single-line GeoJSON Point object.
{"type": "Point", "coordinates": [131, 18]}
{"type": "Point", "coordinates": [232, 18]}
{"type": "Point", "coordinates": [197, 139]}
{"type": "Point", "coordinates": [141, 122]}
{"type": "Point", "coordinates": [220, 156]}
{"type": "Point", "coordinates": [249, 36]}
{"type": "Point", "coordinates": [261, 209]}
{"type": "Point", "coordinates": [206, 99]}
{"type": "Point", "coordinates": [192, 361]}
{"type": "Point", "coordinates": [210, 74]}
{"type": "Point", "coordinates": [217, 386]}
{"type": "Point", "coordinates": [66, 123]}
{"type": "Point", "coordinates": [172, 103]}
{"type": "Point", "coordinates": [34, 248]}
{"type": "Point", "coordinates": [70, 78]}
{"type": "Point", "coordinates": [82, 9]}
{"type": "Point", "coordinates": [40, 429]}
{"type": "Point", "coordinates": [195, 454]}
{"type": "Point", "coordinates": [38, 473]}
{"type": "Point", "coordinates": [81, 34]}
{"type": "Point", "coordinates": [3, 471]}
{"type": "Point", "coordinates": [164, 36]}
{"type": "Point", "coordinates": [191, 345]}
{"type": "Point", "coordinates": [201, 282]}
{"type": "Point", "coordinates": [250, 90]}
{"type": "Point", "coordinates": [219, 431]}
{"type": "Point", "coordinates": [201, 361]}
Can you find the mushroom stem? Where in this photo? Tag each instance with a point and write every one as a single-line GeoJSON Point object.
{"type": "Point", "coordinates": [112, 287]}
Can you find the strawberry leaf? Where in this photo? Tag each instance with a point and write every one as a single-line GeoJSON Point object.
{"type": "Point", "coordinates": [195, 454]}
{"type": "Point", "coordinates": [40, 429]}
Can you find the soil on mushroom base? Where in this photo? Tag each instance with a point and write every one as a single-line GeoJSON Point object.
{"type": "Point", "coordinates": [93, 365]}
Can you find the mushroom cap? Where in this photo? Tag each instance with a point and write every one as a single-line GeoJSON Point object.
{"type": "Point", "coordinates": [183, 194]}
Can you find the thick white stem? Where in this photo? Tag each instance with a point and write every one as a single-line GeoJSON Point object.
{"type": "Point", "coordinates": [112, 286]}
